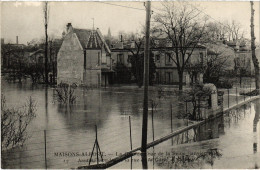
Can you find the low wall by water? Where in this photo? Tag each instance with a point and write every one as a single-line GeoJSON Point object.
{"type": "Point", "coordinates": [167, 137]}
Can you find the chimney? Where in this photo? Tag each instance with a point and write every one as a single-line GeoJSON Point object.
{"type": "Point", "coordinates": [16, 39]}
{"type": "Point", "coordinates": [63, 34]}
{"type": "Point", "coordinates": [69, 27]}
{"type": "Point", "coordinates": [121, 38]}
{"type": "Point", "coordinates": [2, 41]}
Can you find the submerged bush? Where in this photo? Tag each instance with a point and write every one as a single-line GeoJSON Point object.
{"type": "Point", "coordinates": [65, 93]}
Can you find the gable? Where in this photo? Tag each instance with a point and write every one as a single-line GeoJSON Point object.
{"type": "Point", "coordinates": [71, 43]}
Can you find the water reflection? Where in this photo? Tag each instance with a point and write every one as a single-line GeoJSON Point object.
{"type": "Point", "coordinates": [255, 122]}
{"type": "Point", "coordinates": [46, 105]}
{"type": "Point", "coordinates": [211, 129]}
{"type": "Point", "coordinates": [74, 126]}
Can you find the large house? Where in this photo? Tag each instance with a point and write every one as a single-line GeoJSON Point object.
{"type": "Point", "coordinates": [84, 58]}
{"type": "Point", "coordinates": [166, 69]}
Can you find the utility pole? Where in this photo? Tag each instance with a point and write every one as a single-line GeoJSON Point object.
{"type": "Point", "coordinates": [46, 19]}
{"type": "Point", "coordinates": [255, 60]}
{"type": "Point", "coordinates": [146, 77]}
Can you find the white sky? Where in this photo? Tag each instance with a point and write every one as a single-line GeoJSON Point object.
{"type": "Point", "coordinates": [25, 19]}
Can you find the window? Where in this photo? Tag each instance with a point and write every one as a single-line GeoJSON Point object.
{"type": "Point", "coordinates": [168, 59]}
{"type": "Point", "coordinates": [120, 58]}
{"type": "Point", "coordinates": [169, 77]}
{"type": "Point", "coordinates": [156, 42]}
{"type": "Point", "coordinates": [157, 78]}
{"type": "Point", "coordinates": [201, 58]}
{"type": "Point", "coordinates": [129, 58]}
{"type": "Point", "coordinates": [98, 59]}
{"type": "Point", "coordinates": [158, 57]}
{"type": "Point", "coordinates": [104, 58]}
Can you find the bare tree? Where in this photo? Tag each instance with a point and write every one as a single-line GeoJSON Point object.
{"type": "Point", "coordinates": [137, 58]}
{"type": "Point", "coordinates": [219, 60]}
{"type": "Point", "coordinates": [255, 61]}
{"type": "Point", "coordinates": [65, 93]}
{"type": "Point", "coordinates": [234, 30]}
{"type": "Point", "coordinates": [216, 31]}
{"type": "Point", "coordinates": [46, 20]}
{"type": "Point", "coordinates": [185, 28]}
{"type": "Point", "coordinates": [14, 123]}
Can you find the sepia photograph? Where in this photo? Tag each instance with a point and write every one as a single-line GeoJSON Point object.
{"type": "Point", "coordinates": [164, 84]}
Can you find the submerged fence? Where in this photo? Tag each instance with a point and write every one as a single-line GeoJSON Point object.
{"type": "Point", "coordinates": [93, 143]}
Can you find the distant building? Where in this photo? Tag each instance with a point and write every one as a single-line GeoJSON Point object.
{"type": "Point", "coordinates": [37, 57]}
{"type": "Point", "coordinates": [166, 69]}
{"type": "Point", "coordinates": [84, 58]}
{"type": "Point", "coordinates": [11, 53]}
{"type": "Point", "coordinates": [243, 56]}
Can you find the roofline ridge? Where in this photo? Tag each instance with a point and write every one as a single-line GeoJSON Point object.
{"type": "Point", "coordinates": [82, 29]}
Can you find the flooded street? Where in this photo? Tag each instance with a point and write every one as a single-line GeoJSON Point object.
{"type": "Point", "coordinates": [72, 129]}
{"type": "Point", "coordinates": [230, 141]}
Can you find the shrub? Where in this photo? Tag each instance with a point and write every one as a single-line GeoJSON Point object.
{"type": "Point", "coordinates": [226, 84]}
{"type": "Point", "coordinates": [195, 96]}
{"type": "Point", "coordinates": [14, 122]}
{"type": "Point", "coordinates": [65, 93]}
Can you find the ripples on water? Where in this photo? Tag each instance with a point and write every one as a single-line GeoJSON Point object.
{"type": "Point", "coordinates": [72, 130]}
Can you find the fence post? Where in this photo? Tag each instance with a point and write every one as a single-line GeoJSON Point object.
{"type": "Point", "coordinates": [130, 133]}
{"type": "Point", "coordinates": [96, 145]}
{"type": "Point", "coordinates": [171, 117]}
{"type": "Point", "coordinates": [228, 98]}
{"type": "Point", "coordinates": [171, 122]}
{"type": "Point", "coordinates": [45, 150]}
{"type": "Point", "coordinates": [152, 122]}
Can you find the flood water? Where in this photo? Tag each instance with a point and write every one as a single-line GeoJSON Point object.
{"type": "Point", "coordinates": [229, 142]}
{"type": "Point", "coordinates": [70, 131]}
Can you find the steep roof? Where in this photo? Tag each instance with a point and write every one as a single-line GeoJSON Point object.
{"type": "Point", "coordinates": [36, 52]}
{"type": "Point", "coordinates": [91, 39]}
{"type": "Point", "coordinates": [83, 36]}
{"type": "Point", "coordinates": [94, 41]}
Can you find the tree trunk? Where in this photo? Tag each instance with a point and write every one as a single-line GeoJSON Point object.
{"type": "Point", "coordinates": [46, 55]}
{"type": "Point", "coordinates": [46, 40]}
{"type": "Point", "coordinates": [255, 61]}
{"type": "Point", "coordinates": [180, 73]}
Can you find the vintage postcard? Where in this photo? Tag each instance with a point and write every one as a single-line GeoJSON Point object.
{"type": "Point", "coordinates": [130, 84]}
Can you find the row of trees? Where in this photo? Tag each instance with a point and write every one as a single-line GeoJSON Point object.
{"type": "Point", "coordinates": [29, 61]}
{"type": "Point", "coordinates": [187, 27]}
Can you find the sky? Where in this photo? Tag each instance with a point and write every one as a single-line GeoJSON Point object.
{"type": "Point", "coordinates": [25, 19]}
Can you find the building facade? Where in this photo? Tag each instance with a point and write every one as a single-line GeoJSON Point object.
{"type": "Point", "coordinates": [166, 69]}
{"type": "Point", "coordinates": [84, 58]}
